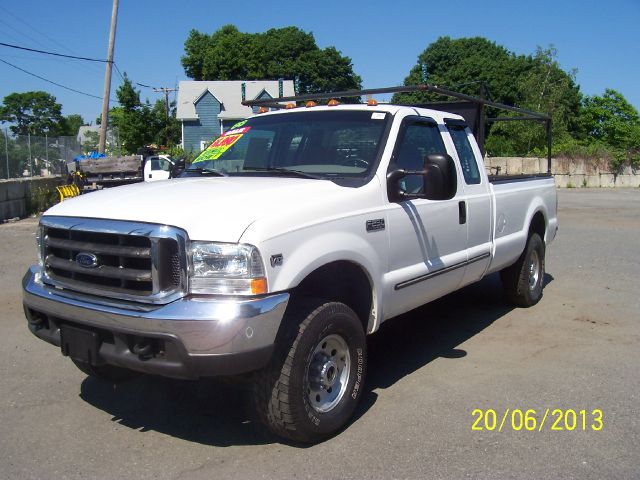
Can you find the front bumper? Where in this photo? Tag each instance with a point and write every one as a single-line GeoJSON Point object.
{"type": "Point", "coordinates": [189, 338]}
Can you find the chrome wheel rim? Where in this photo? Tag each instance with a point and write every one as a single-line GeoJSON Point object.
{"type": "Point", "coordinates": [328, 373]}
{"type": "Point", "coordinates": [534, 270]}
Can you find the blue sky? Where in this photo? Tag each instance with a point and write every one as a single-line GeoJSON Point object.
{"type": "Point", "coordinates": [383, 39]}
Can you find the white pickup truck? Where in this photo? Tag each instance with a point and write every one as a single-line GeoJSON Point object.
{"type": "Point", "coordinates": [299, 233]}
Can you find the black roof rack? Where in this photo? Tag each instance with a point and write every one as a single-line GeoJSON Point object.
{"type": "Point", "coordinates": [471, 108]}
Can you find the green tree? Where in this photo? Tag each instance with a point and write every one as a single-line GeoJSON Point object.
{"type": "Point", "coordinates": [462, 64]}
{"type": "Point", "coordinates": [543, 87]}
{"type": "Point", "coordinates": [139, 124]}
{"type": "Point", "coordinates": [131, 118]}
{"type": "Point", "coordinates": [534, 82]}
{"type": "Point", "coordinates": [36, 113]}
{"type": "Point", "coordinates": [610, 119]}
{"type": "Point", "coordinates": [90, 141]}
{"type": "Point", "coordinates": [69, 125]}
{"type": "Point", "coordinates": [289, 52]}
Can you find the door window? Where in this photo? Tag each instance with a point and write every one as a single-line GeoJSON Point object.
{"type": "Point", "coordinates": [465, 154]}
{"type": "Point", "coordinates": [419, 140]}
{"type": "Point", "coordinates": [160, 164]}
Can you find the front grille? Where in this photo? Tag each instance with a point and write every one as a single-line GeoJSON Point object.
{"type": "Point", "coordinates": [115, 259]}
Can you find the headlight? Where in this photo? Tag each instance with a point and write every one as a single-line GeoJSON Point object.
{"type": "Point", "coordinates": [226, 268]}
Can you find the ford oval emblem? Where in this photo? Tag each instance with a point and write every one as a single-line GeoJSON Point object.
{"type": "Point", "coordinates": [87, 260]}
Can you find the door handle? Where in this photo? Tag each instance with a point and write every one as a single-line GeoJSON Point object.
{"type": "Point", "coordinates": [462, 212]}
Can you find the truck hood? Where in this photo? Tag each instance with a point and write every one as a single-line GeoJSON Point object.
{"type": "Point", "coordinates": [208, 208]}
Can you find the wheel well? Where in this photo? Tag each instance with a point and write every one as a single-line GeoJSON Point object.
{"type": "Point", "coordinates": [340, 281]}
{"type": "Point", "coordinates": [538, 225]}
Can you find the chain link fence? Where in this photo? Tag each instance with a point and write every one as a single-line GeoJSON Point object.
{"type": "Point", "coordinates": [34, 156]}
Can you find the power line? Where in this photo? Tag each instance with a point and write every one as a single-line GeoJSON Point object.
{"type": "Point", "coordinates": [39, 32]}
{"type": "Point", "coordinates": [51, 81]}
{"type": "Point", "coordinates": [52, 53]}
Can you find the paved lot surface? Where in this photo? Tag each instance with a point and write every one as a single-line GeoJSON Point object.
{"type": "Point", "coordinates": [579, 348]}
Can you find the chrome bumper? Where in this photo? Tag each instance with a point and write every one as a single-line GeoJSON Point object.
{"type": "Point", "coordinates": [204, 336]}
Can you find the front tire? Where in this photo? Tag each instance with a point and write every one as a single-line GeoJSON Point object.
{"type": "Point", "coordinates": [315, 379]}
{"type": "Point", "coordinates": [523, 281]}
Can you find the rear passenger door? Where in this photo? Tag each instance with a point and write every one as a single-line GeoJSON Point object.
{"type": "Point", "coordinates": [427, 241]}
{"type": "Point", "coordinates": [475, 199]}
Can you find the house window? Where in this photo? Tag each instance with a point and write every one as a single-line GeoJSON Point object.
{"type": "Point", "coordinates": [204, 144]}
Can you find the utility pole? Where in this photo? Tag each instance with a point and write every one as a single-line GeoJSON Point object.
{"type": "Point", "coordinates": [166, 91]}
{"type": "Point", "coordinates": [6, 150]}
{"type": "Point", "coordinates": [107, 79]}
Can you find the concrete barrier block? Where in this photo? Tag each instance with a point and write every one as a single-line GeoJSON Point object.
{"type": "Point", "coordinates": [514, 166]}
{"type": "Point", "coordinates": [16, 190]}
{"type": "Point", "coordinates": [593, 181]}
{"type": "Point", "coordinates": [4, 191]}
{"type": "Point", "coordinates": [607, 180]}
{"type": "Point", "coordinates": [531, 166]}
{"type": "Point", "coordinates": [12, 208]}
{"type": "Point", "coordinates": [561, 166]}
{"type": "Point", "coordinates": [576, 181]}
{"type": "Point", "coordinates": [577, 167]}
{"type": "Point", "coordinates": [497, 166]}
{"type": "Point", "coordinates": [561, 180]}
{"type": "Point", "coordinates": [628, 180]}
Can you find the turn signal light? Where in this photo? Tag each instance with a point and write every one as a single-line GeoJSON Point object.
{"type": "Point", "coordinates": [372, 102]}
{"type": "Point", "coordinates": [259, 286]}
{"type": "Point", "coordinates": [311, 103]}
{"type": "Point", "coordinates": [333, 102]}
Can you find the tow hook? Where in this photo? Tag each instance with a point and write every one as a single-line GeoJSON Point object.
{"type": "Point", "coordinates": [143, 350]}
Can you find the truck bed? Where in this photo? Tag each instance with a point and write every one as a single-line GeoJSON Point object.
{"type": "Point", "coordinates": [516, 198]}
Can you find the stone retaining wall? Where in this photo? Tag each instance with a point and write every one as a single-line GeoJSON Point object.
{"type": "Point", "coordinates": [23, 196]}
{"type": "Point", "coordinates": [567, 172]}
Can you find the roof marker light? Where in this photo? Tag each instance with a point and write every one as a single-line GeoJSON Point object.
{"type": "Point", "coordinates": [372, 102]}
{"type": "Point", "coordinates": [311, 103]}
{"type": "Point", "coordinates": [290, 105]}
{"type": "Point", "coordinates": [263, 110]}
{"type": "Point", "coordinates": [333, 102]}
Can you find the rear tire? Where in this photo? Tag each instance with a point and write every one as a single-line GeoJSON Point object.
{"type": "Point", "coordinates": [523, 281]}
{"type": "Point", "coordinates": [312, 386]}
{"type": "Point", "coordinates": [106, 373]}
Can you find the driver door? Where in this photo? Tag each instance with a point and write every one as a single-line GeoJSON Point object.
{"type": "Point", "coordinates": [427, 240]}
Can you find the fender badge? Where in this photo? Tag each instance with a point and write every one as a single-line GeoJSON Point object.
{"type": "Point", "coordinates": [276, 260]}
{"type": "Point", "coordinates": [375, 225]}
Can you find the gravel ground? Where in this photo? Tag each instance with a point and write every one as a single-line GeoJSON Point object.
{"type": "Point", "coordinates": [577, 349]}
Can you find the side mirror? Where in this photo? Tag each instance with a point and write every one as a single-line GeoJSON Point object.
{"type": "Point", "coordinates": [439, 176]}
{"type": "Point", "coordinates": [440, 181]}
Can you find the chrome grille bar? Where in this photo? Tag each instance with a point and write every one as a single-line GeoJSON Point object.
{"type": "Point", "coordinates": [116, 250]}
{"type": "Point", "coordinates": [131, 274]}
{"type": "Point", "coordinates": [132, 261]}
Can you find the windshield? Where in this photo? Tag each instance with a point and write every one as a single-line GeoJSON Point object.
{"type": "Point", "coordinates": [322, 144]}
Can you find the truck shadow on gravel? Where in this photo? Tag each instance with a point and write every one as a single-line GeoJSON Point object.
{"type": "Point", "coordinates": [218, 413]}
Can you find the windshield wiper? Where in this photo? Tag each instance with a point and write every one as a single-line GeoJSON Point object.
{"type": "Point", "coordinates": [206, 171]}
{"type": "Point", "coordinates": [285, 172]}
